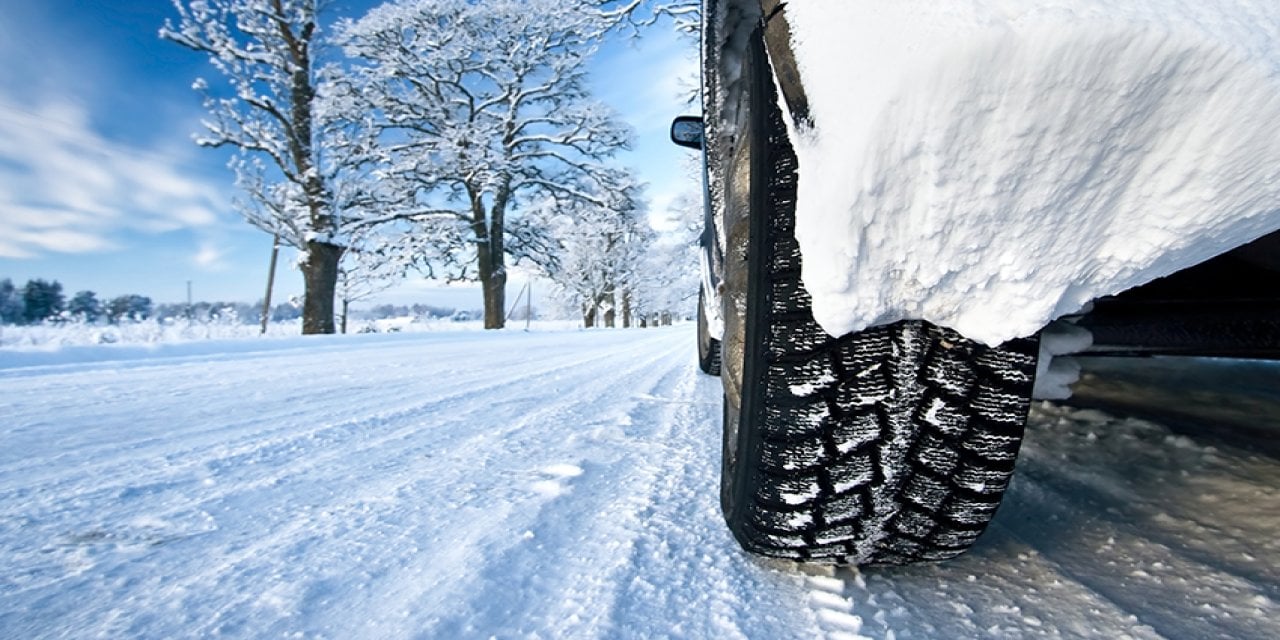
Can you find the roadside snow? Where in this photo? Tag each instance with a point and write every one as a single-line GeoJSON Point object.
{"type": "Point", "coordinates": [50, 337]}
{"type": "Point", "coordinates": [993, 165]}
{"type": "Point", "coordinates": [77, 343]}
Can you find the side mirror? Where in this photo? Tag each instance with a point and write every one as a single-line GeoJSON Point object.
{"type": "Point", "coordinates": [686, 131]}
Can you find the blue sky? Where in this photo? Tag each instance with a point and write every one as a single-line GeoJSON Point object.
{"type": "Point", "coordinates": [102, 188]}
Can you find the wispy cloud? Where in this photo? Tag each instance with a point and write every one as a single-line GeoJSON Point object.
{"type": "Point", "coordinates": [209, 257]}
{"type": "Point", "coordinates": [64, 188]}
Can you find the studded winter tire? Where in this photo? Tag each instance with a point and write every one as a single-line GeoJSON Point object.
{"type": "Point", "coordinates": [891, 445]}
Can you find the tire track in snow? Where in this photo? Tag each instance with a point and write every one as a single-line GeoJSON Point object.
{"type": "Point", "coordinates": [441, 556]}
{"type": "Point", "coordinates": [285, 440]}
{"type": "Point", "coordinates": [1174, 594]}
{"type": "Point", "coordinates": [844, 607]}
{"type": "Point", "coordinates": [668, 569]}
{"type": "Point", "coordinates": [683, 567]}
{"type": "Point", "coordinates": [601, 361]}
{"type": "Point", "coordinates": [563, 501]}
{"type": "Point", "coordinates": [94, 459]}
{"type": "Point", "coordinates": [1000, 589]}
{"type": "Point", "coordinates": [441, 414]}
{"type": "Point", "coordinates": [649, 555]}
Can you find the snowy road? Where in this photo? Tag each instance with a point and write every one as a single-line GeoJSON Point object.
{"type": "Point", "coordinates": [554, 485]}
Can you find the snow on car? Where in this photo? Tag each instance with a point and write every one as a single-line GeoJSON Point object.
{"type": "Point", "coordinates": [992, 167]}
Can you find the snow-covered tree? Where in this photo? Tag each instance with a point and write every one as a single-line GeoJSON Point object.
{"type": "Point", "coordinates": [364, 273]}
{"type": "Point", "coordinates": [42, 300]}
{"type": "Point", "coordinates": [266, 51]}
{"type": "Point", "coordinates": [85, 306]}
{"type": "Point", "coordinates": [686, 15]}
{"type": "Point", "coordinates": [670, 287]}
{"type": "Point", "coordinates": [483, 109]}
{"type": "Point", "coordinates": [11, 306]}
{"type": "Point", "coordinates": [670, 284]}
{"type": "Point", "coordinates": [129, 307]}
{"type": "Point", "coordinates": [598, 261]}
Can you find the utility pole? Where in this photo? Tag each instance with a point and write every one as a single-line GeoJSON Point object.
{"type": "Point", "coordinates": [188, 301]}
{"type": "Point", "coordinates": [271, 281]}
{"type": "Point", "coordinates": [516, 304]}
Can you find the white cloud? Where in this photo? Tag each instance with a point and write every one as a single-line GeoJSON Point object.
{"type": "Point", "coordinates": [209, 257]}
{"type": "Point", "coordinates": [26, 244]}
{"type": "Point", "coordinates": [64, 188]}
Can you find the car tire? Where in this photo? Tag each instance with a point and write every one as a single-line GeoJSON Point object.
{"type": "Point", "coordinates": [891, 445]}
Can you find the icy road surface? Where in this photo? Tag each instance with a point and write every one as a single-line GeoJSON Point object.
{"type": "Point", "coordinates": [553, 485]}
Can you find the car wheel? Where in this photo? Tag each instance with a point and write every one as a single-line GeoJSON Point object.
{"type": "Point", "coordinates": [891, 445]}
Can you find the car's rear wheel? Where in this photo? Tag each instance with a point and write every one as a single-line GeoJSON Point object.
{"type": "Point", "coordinates": [887, 446]}
{"type": "Point", "coordinates": [708, 347]}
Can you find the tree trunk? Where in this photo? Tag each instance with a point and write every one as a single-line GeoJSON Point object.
{"type": "Point", "coordinates": [626, 309]}
{"type": "Point", "coordinates": [610, 311]}
{"type": "Point", "coordinates": [320, 271]}
{"type": "Point", "coordinates": [320, 278]}
{"type": "Point", "coordinates": [490, 231]}
{"type": "Point", "coordinates": [493, 282]}
{"type": "Point", "coordinates": [589, 316]}
{"type": "Point", "coordinates": [345, 305]}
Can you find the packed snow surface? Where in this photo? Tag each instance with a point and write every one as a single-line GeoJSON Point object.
{"type": "Point", "coordinates": [551, 485]}
{"type": "Point", "coordinates": [993, 165]}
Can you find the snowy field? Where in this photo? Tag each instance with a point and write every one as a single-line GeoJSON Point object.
{"type": "Point", "coordinates": [58, 336]}
{"type": "Point", "coordinates": [552, 485]}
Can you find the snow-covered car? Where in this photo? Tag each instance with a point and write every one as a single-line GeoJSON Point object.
{"type": "Point", "coordinates": [913, 207]}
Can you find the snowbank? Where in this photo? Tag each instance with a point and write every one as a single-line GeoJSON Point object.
{"type": "Point", "coordinates": [991, 166]}
{"type": "Point", "coordinates": [54, 335]}
{"type": "Point", "coordinates": [76, 344]}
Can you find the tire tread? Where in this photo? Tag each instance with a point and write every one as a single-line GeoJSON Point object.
{"type": "Point", "coordinates": [891, 445]}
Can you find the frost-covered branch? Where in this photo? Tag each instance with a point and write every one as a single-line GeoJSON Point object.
{"type": "Point", "coordinates": [269, 109]}
{"type": "Point", "coordinates": [482, 110]}
{"type": "Point", "coordinates": [633, 15]}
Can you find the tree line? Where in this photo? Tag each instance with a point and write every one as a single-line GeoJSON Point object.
{"type": "Point", "coordinates": [446, 137]}
{"type": "Point", "coordinates": [42, 300]}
